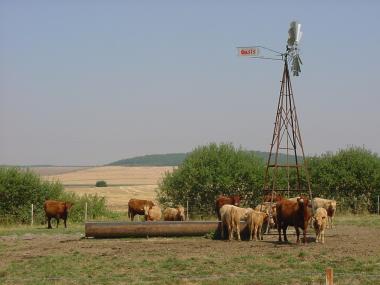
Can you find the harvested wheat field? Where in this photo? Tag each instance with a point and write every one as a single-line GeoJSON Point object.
{"type": "Point", "coordinates": [119, 175]}
{"type": "Point", "coordinates": [123, 182]}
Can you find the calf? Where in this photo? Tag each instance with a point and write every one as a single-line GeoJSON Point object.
{"type": "Point", "coordinates": [238, 214]}
{"type": "Point", "coordinates": [329, 205]}
{"type": "Point", "coordinates": [255, 221]}
{"type": "Point", "coordinates": [320, 223]}
{"type": "Point", "coordinates": [271, 211]}
{"type": "Point", "coordinates": [57, 210]}
{"type": "Point", "coordinates": [174, 214]}
{"type": "Point", "coordinates": [136, 207]}
{"type": "Point", "coordinates": [295, 214]}
{"type": "Point", "coordinates": [226, 200]}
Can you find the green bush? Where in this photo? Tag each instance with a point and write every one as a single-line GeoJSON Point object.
{"type": "Point", "coordinates": [21, 188]}
{"type": "Point", "coordinates": [209, 171]}
{"type": "Point", "coordinates": [101, 183]}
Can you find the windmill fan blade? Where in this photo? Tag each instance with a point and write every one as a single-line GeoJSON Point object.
{"type": "Point", "coordinates": [296, 65]}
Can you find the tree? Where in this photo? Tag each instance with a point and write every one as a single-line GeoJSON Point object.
{"type": "Point", "coordinates": [352, 176]}
{"type": "Point", "coordinates": [210, 171]}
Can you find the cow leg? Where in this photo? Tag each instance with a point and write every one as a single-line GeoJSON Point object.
{"type": "Point", "coordinates": [49, 223]}
{"type": "Point", "coordinates": [132, 217]}
{"type": "Point", "coordinates": [279, 232]}
{"type": "Point", "coordinates": [230, 232]}
{"type": "Point", "coordinates": [57, 222]}
{"type": "Point", "coordinates": [64, 221]}
{"type": "Point", "coordinates": [284, 228]}
{"type": "Point", "coordinates": [298, 234]}
{"type": "Point", "coordinates": [323, 236]}
{"type": "Point", "coordinates": [260, 233]}
{"type": "Point", "coordinates": [221, 230]}
{"type": "Point", "coordinates": [238, 231]}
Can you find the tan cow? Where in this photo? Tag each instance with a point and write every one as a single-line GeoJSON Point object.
{"type": "Point", "coordinates": [255, 221]}
{"type": "Point", "coordinates": [174, 214]}
{"type": "Point", "coordinates": [265, 207]}
{"type": "Point", "coordinates": [238, 214]}
{"type": "Point", "coordinates": [329, 205]}
{"type": "Point", "coordinates": [152, 213]}
{"type": "Point", "coordinates": [320, 224]}
{"type": "Point", "coordinates": [226, 221]}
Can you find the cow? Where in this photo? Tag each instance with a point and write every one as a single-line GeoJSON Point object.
{"type": "Point", "coordinates": [255, 221]}
{"type": "Point", "coordinates": [320, 223]}
{"type": "Point", "coordinates": [230, 217]}
{"type": "Point", "coordinates": [296, 214]}
{"type": "Point", "coordinates": [329, 205]}
{"type": "Point", "coordinates": [152, 213]}
{"type": "Point", "coordinates": [266, 208]}
{"type": "Point", "coordinates": [226, 221]}
{"type": "Point", "coordinates": [58, 210]}
{"type": "Point", "coordinates": [226, 200]}
{"type": "Point", "coordinates": [136, 207]}
{"type": "Point", "coordinates": [174, 214]}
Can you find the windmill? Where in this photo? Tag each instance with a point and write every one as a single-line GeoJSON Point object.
{"type": "Point", "coordinates": [286, 163]}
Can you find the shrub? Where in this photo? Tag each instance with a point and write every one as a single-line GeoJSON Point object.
{"type": "Point", "coordinates": [21, 188]}
{"type": "Point", "coordinates": [101, 183]}
{"type": "Point", "coordinates": [210, 171]}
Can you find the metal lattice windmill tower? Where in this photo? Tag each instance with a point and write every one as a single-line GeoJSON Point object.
{"type": "Point", "coordinates": [286, 169]}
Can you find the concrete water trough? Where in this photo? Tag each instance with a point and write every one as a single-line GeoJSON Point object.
{"type": "Point", "coordinates": [152, 229]}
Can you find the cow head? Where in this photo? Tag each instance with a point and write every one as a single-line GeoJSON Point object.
{"type": "Point", "coordinates": [146, 211]}
{"type": "Point", "coordinates": [235, 200]}
{"type": "Point", "coordinates": [318, 221]}
{"type": "Point", "coordinates": [181, 213]}
{"type": "Point", "coordinates": [68, 205]}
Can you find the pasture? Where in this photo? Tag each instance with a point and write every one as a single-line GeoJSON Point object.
{"type": "Point", "coordinates": [124, 183]}
{"type": "Point", "coordinates": [62, 256]}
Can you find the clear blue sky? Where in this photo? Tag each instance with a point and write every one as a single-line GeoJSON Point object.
{"type": "Point", "coordinates": [89, 82]}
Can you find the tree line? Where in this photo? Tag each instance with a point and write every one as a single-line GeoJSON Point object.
{"type": "Point", "coordinates": [351, 176]}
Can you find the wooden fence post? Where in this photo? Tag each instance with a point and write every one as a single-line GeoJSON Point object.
{"type": "Point", "coordinates": [85, 211]}
{"type": "Point", "coordinates": [187, 210]}
{"type": "Point", "coordinates": [329, 276]}
{"type": "Point", "coordinates": [378, 204]}
{"type": "Point", "coordinates": [32, 214]}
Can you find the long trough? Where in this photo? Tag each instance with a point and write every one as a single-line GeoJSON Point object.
{"type": "Point", "coordinates": [152, 229]}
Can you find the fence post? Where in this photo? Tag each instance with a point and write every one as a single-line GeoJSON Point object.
{"type": "Point", "coordinates": [329, 276]}
{"type": "Point", "coordinates": [85, 212]}
{"type": "Point", "coordinates": [378, 204]}
{"type": "Point", "coordinates": [32, 214]}
{"type": "Point", "coordinates": [187, 210]}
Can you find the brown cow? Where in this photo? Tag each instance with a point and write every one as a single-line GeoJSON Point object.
{"type": "Point", "coordinates": [226, 200]}
{"type": "Point", "coordinates": [136, 207]}
{"type": "Point", "coordinates": [57, 210]}
{"type": "Point", "coordinates": [276, 198]}
{"type": "Point", "coordinates": [296, 214]}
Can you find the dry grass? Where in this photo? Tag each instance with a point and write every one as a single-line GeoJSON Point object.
{"type": "Point", "coordinates": [124, 183]}
{"type": "Point", "coordinates": [118, 175]}
{"type": "Point", "coordinates": [118, 196]}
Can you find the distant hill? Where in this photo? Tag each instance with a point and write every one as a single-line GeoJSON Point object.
{"type": "Point", "coordinates": [174, 159]}
{"type": "Point", "coordinates": [169, 159]}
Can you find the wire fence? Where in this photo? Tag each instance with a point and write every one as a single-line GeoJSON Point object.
{"type": "Point", "coordinates": [192, 213]}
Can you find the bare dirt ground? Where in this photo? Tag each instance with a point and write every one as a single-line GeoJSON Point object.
{"type": "Point", "coordinates": [351, 250]}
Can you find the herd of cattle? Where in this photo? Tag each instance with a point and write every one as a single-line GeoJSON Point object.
{"type": "Point", "coordinates": [274, 212]}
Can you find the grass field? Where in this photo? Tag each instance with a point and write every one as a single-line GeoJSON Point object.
{"type": "Point", "coordinates": [62, 256]}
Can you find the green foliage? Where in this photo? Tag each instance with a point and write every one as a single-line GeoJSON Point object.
{"type": "Point", "coordinates": [351, 176]}
{"type": "Point", "coordinates": [210, 171]}
{"type": "Point", "coordinates": [96, 206]}
{"type": "Point", "coordinates": [101, 183]}
{"type": "Point", "coordinates": [19, 189]}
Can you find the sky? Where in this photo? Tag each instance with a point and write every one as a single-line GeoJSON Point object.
{"type": "Point", "coordinates": [91, 82]}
